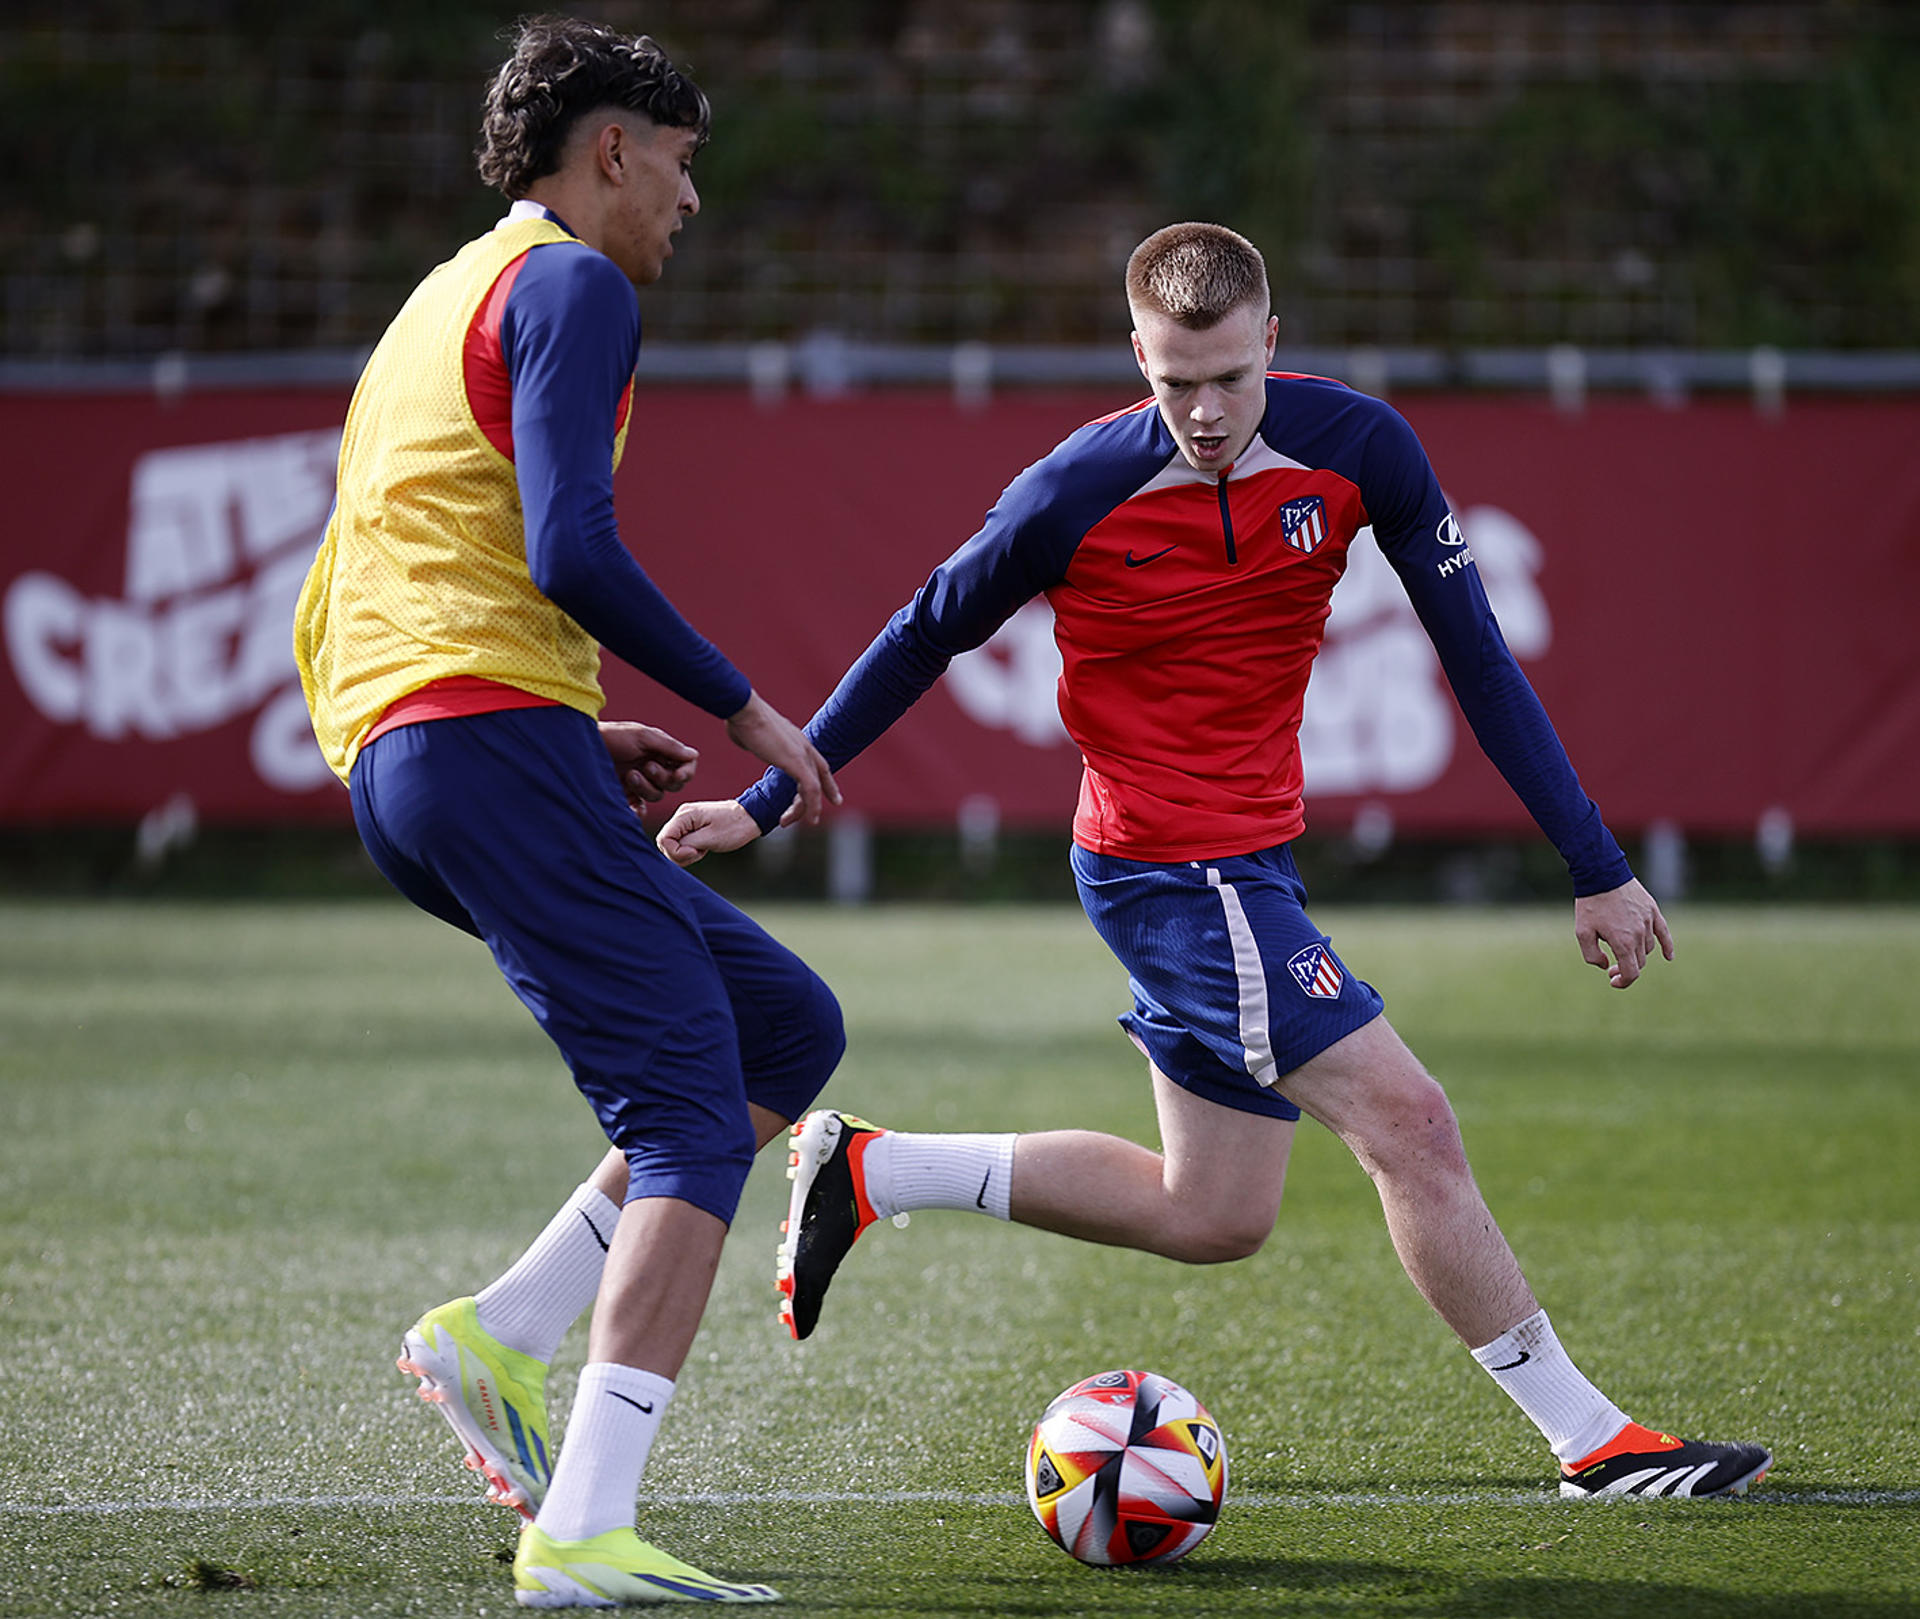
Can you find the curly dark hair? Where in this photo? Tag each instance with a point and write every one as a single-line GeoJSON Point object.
{"type": "Point", "coordinates": [562, 68]}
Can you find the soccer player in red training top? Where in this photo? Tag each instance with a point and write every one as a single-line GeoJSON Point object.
{"type": "Point", "coordinates": [446, 639]}
{"type": "Point", "coordinates": [1189, 547]}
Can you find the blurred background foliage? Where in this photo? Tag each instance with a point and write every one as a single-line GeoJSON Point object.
{"type": "Point", "coordinates": [190, 175]}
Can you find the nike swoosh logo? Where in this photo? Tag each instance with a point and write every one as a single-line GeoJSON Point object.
{"type": "Point", "coordinates": [1133, 561]}
{"type": "Point", "coordinates": [595, 1230]}
{"type": "Point", "coordinates": [1524, 1358]}
{"type": "Point", "coordinates": [980, 1202]}
{"type": "Point", "coordinates": [644, 1410]}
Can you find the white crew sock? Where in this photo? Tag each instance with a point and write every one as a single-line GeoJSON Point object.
{"type": "Point", "coordinates": [908, 1170]}
{"type": "Point", "coordinates": [543, 1292]}
{"type": "Point", "coordinates": [616, 1413]}
{"type": "Point", "coordinates": [1528, 1362]}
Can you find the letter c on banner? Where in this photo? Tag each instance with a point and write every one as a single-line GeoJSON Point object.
{"type": "Point", "coordinates": [44, 615]}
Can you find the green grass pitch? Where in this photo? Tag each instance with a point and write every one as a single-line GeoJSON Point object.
{"type": "Point", "coordinates": [242, 1146]}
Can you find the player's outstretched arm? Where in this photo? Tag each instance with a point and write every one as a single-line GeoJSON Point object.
{"type": "Point", "coordinates": [774, 739]}
{"type": "Point", "coordinates": [1627, 921]}
{"type": "Point", "coordinates": [650, 763]}
{"type": "Point", "coordinates": [698, 830]}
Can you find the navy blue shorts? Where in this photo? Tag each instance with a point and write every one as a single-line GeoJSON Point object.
{"type": "Point", "coordinates": [1233, 987]}
{"type": "Point", "coordinates": [672, 1009]}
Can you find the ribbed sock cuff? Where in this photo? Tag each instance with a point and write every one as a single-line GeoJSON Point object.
{"type": "Point", "coordinates": [1528, 1363]}
{"type": "Point", "coordinates": [909, 1170]}
{"type": "Point", "coordinates": [545, 1290]}
{"type": "Point", "coordinates": [616, 1412]}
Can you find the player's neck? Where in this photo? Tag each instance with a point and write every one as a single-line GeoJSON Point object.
{"type": "Point", "coordinates": [574, 205]}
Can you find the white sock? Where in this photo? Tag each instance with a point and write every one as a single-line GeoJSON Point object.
{"type": "Point", "coordinates": [1527, 1361]}
{"type": "Point", "coordinates": [545, 1289]}
{"type": "Point", "coordinates": [908, 1170]}
{"type": "Point", "coordinates": [616, 1413]}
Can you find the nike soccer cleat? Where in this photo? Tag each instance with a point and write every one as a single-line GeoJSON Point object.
{"type": "Point", "coordinates": [826, 1211]}
{"type": "Point", "coordinates": [1639, 1461]}
{"type": "Point", "coordinates": [493, 1397]}
{"type": "Point", "coordinates": [612, 1570]}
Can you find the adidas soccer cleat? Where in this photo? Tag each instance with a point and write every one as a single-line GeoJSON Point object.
{"type": "Point", "coordinates": [1639, 1461]}
{"type": "Point", "coordinates": [493, 1397]}
{"type": "Point", "coordinates": [826, 1211]}
{"type": "Point", "coordinates": [612, 1570]}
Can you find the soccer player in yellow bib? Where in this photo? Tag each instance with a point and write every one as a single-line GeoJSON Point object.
{"type": "Point", "coordinates": [449, 639]}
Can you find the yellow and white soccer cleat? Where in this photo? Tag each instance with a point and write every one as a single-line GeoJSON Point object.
{"type": "Point", "coordinates": [493, 1397]}
{"type": "Point", "coordinates": [613, 1570]}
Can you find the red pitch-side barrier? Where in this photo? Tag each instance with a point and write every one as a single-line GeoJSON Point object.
{"type": "Point", "coordinates": [1718, 607]}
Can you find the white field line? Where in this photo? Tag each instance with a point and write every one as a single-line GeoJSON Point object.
{"type": "Point", "coordinates": [949, 1498]}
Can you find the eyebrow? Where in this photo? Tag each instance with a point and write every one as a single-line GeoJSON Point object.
{"type": "Point", "coordinates": [1218, 376]}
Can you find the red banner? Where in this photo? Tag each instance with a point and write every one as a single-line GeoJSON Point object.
{"type": "Point", "coordinates": [1716, 606]}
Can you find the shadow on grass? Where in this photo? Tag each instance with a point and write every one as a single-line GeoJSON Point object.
{"type": "Point", "coordinates": [1600, 1599]}
{"type": "Point", "coordinates": [1236, 1586]}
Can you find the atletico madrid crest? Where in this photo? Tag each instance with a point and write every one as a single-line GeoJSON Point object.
{"type": "Point", "coordinates": [1303, 523]}
{"type": "Point", "coordinates": [1315, 971]}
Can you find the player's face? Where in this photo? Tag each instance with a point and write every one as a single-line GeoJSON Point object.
{"type": "Point", "coordinates": [656, 197]}
{"type": "Point", "coordinates": [1210, 385]}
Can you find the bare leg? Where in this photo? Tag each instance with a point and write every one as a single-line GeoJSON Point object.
{"type": "Point", "coordinates": [659, 1272]}
{"type": "Point", "coordinates": [1372, 1092]}
{"type": "Point", "coordinates": [1214, 1192]}
{"type": "Point", "coordinates": [1211, 1194]}
{"type": "Point", "coordinates": [654, 1290]}
{"type": "Point", "coordinates": [610, 1178]}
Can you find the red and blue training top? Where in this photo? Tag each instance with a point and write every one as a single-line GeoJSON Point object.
{"type": "Point", "coordinates": [1189, 608]}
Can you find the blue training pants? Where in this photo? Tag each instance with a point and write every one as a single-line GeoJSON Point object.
{"type": "Point", "coordinates": [672, 1008]}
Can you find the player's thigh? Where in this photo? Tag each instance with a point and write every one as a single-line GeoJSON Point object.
{"type": "Point", "coordinates": [1227, 1166]}
{"type": "Point", "coordinates": [592, 935]}
{"type": "Point", "coordinates": [788, 1022]}
{"type": "Point", "coordinates": [1234, 986]}
{"type": "Point", "coordinates": [518, 817]}
{"type": "Point", "coordinates": [383, 787]}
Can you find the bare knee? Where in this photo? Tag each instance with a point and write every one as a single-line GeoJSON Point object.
{"type": "Point", "coordinates": [1220, 1236]}
{"type": "Point", "coordinates": [1410, 1129]}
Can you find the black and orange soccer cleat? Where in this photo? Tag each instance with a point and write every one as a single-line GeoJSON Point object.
{"type": "Point", "coordinates": [826, 1211]}
{"type": "Point", "coordinates": [1638, 1461]}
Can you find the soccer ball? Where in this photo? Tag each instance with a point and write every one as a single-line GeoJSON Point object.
{"type": "Point", "coordinates": [1126, 1467]}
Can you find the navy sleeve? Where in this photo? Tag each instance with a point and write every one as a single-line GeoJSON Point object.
{"type": "Point", "coordinates": [1021, 550]}
{"type": "Point", "coordinates": [1417, 534]}
{"type": "Point", "coordinates": [570, 335]}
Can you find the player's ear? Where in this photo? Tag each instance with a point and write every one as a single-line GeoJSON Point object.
{"type": "Point", "coordinates": [610, 150]}
{"type": "Point", "coordinates": [1273, 336]}
{"type": "Point", "coordinates": [1140, 357]}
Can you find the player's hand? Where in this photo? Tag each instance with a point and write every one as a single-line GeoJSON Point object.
{"type": "Point", "coordinates": [650, 763]}
{"type": "Point", "coordinates": [774, 739]}
{"type": "Point", "coordinates": [698, 830]}
{"type": "Point", "coordinates": [1627, 921]}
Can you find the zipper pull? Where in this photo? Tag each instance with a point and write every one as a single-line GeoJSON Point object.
{"type": "Point", "coordinates": [1226, 515]}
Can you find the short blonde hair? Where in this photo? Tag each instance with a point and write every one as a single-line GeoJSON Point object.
{"type": "Point", "coordinates": [1196, 274]}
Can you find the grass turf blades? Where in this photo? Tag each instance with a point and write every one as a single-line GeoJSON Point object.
{"type": "Point", "coordinates": [238, 1150]}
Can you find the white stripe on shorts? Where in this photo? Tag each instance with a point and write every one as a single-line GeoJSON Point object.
{"type": "Point", "coordinates": [1256, 1023]}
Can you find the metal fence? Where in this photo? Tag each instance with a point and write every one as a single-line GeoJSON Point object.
{"type": "Point", "coordinates": [1441, 176]}
{"type": "Point", "coordinates": [824, 364]}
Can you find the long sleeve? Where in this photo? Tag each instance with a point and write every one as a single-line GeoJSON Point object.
{"type": "Point", "coordinates": [570, 333]}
